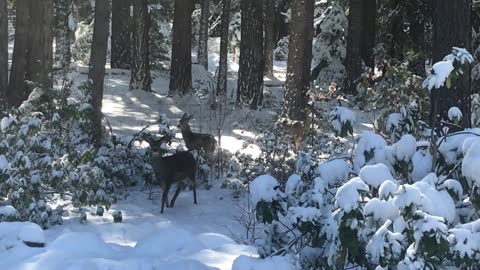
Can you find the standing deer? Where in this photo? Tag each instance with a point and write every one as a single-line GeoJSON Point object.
{"type": "Point", "coordinates": [196, 141]}
{"type": "Point", "coordinates": [174, 169]}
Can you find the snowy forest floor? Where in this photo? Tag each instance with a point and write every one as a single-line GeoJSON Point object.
{"type": "Point", "coordinates": [186, 237]}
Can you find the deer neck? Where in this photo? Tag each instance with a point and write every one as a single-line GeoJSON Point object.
{"type": "Point", "coordinates": [187, 133]}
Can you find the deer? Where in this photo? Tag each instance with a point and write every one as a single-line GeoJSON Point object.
{"type": "Point", "coordinates": [196, 141]}
{"type": "Point", "coordinates": [174, 169]}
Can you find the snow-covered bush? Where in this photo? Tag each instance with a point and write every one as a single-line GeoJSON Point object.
{"type": "Point", "coordinates": [329, 49]}
{"type": "Point", "coordinates": [342, 120]}
{"type": "Point", "coordinates": [46, 153]}
{"type": "Point", "coordinates": [83, 41]}
{"type": "Point", "coordinates": [396, 214]}
{"type": "Point", "coordinates": [280, 53]}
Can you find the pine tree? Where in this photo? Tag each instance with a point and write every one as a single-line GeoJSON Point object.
{"type": "Point", "coordinates": [203, 36]}
{"type": "Point", "coordinates": [98, 59]}
{"type": "Point", "coordinates": [121, 34]}
{"type": "Point", "coordinates": [299, 59]}
{"type": "Point", "coordinates": [452, 28]}
{"type": "Point", "coordinates": [181, 61]}
{"type": "Point", "coordinates": [251, 66]}
{"type": "Point", "coordinates": [223, 65]}
{"type": "Point", "coordinates": [140, 76]}
{"type": "Point", "coordinates": [3, 49]}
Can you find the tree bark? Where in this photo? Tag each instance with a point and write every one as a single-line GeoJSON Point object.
{"type": "Point", "coordinates": [63, 55]}
{"type": "Point", "coordinates": [299, 59]}
{"type": "Point", "coordinates": [121, 34]}
{"type": "Point", "coordinates": [223, 64]}
{"type": "Point", "coordinates": [3, 50]}
{"type": "Point", "coordinates": [452, 28]}
{"type": "Point", "coordinates": [140, 76]}
{"type": "Point", "coordinates": [353, 60]}
{"type": "Point", "coordinates": [40, 52]}
{"type": "Point", "coordinates": [16, 87]}
{"type": "Point", "coordinates": [85, 9]}
{"type": "Point", "coordinates": [181, 66]}
{"type": "Point", "coordinates": [98, 59]}
{"type": "Point", "coordinates": [269, 36]}
{"type": "Point", "coordinates": [368, 38]}
{"type": "Point", "coordinates": [250, 74]}
{"type": "Point", "coordinates": [202, 54]}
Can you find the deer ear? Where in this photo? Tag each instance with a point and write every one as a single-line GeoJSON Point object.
{"type": "Point", "coordinates": [190, 117]}
{"type": "Point", "coordinates": [184, 116]}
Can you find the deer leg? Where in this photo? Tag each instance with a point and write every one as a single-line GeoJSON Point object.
{"type": "Point", "coordinates": [165, 197]}
{"type": "Point", "coordinates": [194, 187]}
{"type": "Point", "coordinates": [179, 188]}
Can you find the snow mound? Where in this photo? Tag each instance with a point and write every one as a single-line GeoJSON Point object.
{"type": "Point", "coordinates": [370, 150]}
{"type": "Point", "coordinates": [387, 189]}
{"type": "Point", "coordinates": [406, 147]}
{"type": "Point", "coordinates": [375, 175]}
{"type": "Point", "coordinates": [277, 263]}
{"type": "Point", "coordinates": [264, 188]}
{"type": "Point", "coordinates": [347, 196]}
{"type": "Point", "coordinates": [454, 114]}
{"type": "Point", "coordinates": [292, 184]}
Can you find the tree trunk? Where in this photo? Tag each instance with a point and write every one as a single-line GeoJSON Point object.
{"type": "Point", "coordinates": [3, 50]}
{"type": "Point", "coordinates": [223, 64]}
{"type": "Point", "coordinates": [452, 28]}
{"type": "Point", "coordinates": [140, 76]}
{"type": "Point", "coordinates": [121, 34]}
{"type": "Point", "coordinates": [98, 59]}
{"type": "Point", "coordinates": [269, 33]}
{"type": "Point", "coordinates": [202, 53]}
{"type": "Point", "coordinates": [417, 34]}
{"type": "Point", "coordinates": [181, 67]}
{"type": "Point", "coordinates": [250, 74]}
{"type": "Point", "coordinates": [40, 51]}
{"type": "Point", "coordinates": [299, 59]}
{"type": "Point", "coordinates": [16, 87]}
{"type": "Point", "coordinates": [353, 60]}
{"type": "Point", "coordinates": [63, 55]}
{"type": "Point", "coordinates": [368, 38]}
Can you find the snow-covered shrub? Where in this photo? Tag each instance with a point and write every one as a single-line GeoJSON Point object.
{"type": "Point", "coordinates": [46, 153]}
{"type": "Point", "coordinates": [342, 120]}
{"type": "Point", "coordinates": [280, 53]}
{"type": "Point", "coordinates": [329, 49]}
{"type": "Point", "coordinates": [390, 216]}
{"type": "Point", "coordinates": [83, 40]}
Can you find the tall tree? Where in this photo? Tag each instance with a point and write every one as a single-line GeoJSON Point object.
{"type": "Point", "coordinates": [223, 65]}
{"type": "Point", "coordinates": [360, 41]}
{"type": "Point", "coordinates": [40, 52]}
{"type": "Point", "coordinates": [452, 28]}
{"type": "Point", "coordinates": [63, 33]}
{"type": "Point", "coordinates": [84, 9]}
{"type": "Point", "coordinates": [299, 59]}
{"type": "Point", "coordinates": [203, 37]}
{"type": "Point", "coordinates": [140, 76]}
{"type": "Point", "coordinates": [3, 49]}
{"type": "Point", "coordinates": [98, 59]}
{"type": "Point", "coordinates": [181, 60]}
{"type": "Point", "coordinates": [16, 86]}
{"type": "Point", "coordinates": [250, 73]}
{"type": "Point", "coordinates": [121, 34]}
{"type": "Point", "coordinates": [270, 35]}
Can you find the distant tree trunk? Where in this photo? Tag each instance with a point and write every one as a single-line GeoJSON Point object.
{"type": "Point", "coordinates": [223, 65]}
{"type": "Point", "coordinates": [395, 48]}
{"type": "Point", "coordinates": [98, 59]}
{"type": "Point", "coordinates": [250, 74]}
{"type": "Point", "coordinates": [368, 38]}
{"type": "Point", "coordinates": [181, 66]}
{"type": "Point", "coordinates": [452, 28]}
{"type": "Point", "coordinates": [203, 37]}
{"type": "Point", "coordinates": [353, 60]}
{"type": "Point", "coordinates": [16, 87]}
{"type": "Point", "coordinates": [281, 26]}
{"type": "Point", "coordinates": [140, 76]}
{"type": "Point", "coordinates": [121, 34]}
{"type": "Point", "coordinates": [63, 55]}
{"type": "Point", "coordinates": [3, 50]}
{"type": "Point", "coordinates": [299, 59]}
{"type": "Point", "coordinates": [417, 34]}
{"type": "Point", "coordinates": [270, 35]}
